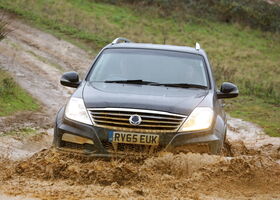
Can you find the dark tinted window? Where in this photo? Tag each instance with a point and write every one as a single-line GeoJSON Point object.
{"type": "Point", "coordinates": [149, 65]}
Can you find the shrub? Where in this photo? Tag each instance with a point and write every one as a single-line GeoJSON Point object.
{"type": "Point", "coordinates": [7, 87]}
{"type": "Point", "coordinates": [253, 13]}
{"type": "Point", "coordinates": [3, 28]}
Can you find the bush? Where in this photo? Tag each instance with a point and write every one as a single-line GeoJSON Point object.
{"type": "Point", "coordinates": [7, 86]}
{"type": "Point", "coordinates": [3, 28]}
{"type": "Point", "coordinates": [254, 13]}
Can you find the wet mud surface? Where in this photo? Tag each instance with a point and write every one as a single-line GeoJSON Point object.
{"type": "Point", "coordinates": [55, 175]}
{"type": "Point", "coordinates": [30, 169]}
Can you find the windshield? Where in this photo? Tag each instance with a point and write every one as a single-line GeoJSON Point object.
{"type": "Point", "coordinates": [158, 66]}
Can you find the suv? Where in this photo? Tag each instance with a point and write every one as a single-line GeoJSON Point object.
{"type": "Point", "coordinates": [142, 99]}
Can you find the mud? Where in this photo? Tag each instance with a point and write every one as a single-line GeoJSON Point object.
{"type": "Point", "coordinates": [52, 175]}
{"type": "Point", "coordinates": [18, 146]}
{"type": "Point", "coordinates": [30, 169]}
{"type": "Point", "coordinates": [22, 120]}
{"type": "Point", "coordinates": [245, 138]}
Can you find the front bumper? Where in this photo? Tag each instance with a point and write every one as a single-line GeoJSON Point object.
{"type": "Point", "coordinates": [78, 137]}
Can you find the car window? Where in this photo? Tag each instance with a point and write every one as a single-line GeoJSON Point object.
{"type": "Point", "coordinates": [149, 65]}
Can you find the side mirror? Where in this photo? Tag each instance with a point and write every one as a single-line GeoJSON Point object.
{"type": "Point", "coordinates": [228, 90]}
{"type": "Point", "coordinates": [70, 79]}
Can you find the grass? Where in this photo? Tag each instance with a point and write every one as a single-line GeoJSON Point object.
{"type": "Point", "coordinates": [258, 111]}
{"type": "Point", "coordinates": [13, 98]}
{"type": "Point", "coordinates": [247, 57]}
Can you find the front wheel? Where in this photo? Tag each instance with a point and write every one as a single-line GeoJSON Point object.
{"type": "Point", "coordinates": [56, 138]}
{"type": "Point", "coordinates": [226, 149]}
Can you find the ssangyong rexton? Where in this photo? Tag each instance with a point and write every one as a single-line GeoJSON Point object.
{"type": "Point", "coordinates": [142, 99]}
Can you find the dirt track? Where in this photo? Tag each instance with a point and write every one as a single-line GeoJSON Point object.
{"type": "Point", "coordinates": [250, 169]}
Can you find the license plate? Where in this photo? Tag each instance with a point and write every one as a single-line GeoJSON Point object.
{"type": "Point", "coordinates": [135, 138]}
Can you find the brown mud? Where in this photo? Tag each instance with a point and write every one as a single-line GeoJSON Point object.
{"type": "Point", "coordinates": [53, 175]}
{"type": "Point", "coordinates": [30, 169]}
{"type": "Point", "coordinates": [22, 120]}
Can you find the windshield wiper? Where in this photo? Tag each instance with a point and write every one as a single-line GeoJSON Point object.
{"type": "Point", "coordinates": [137, 81]}
{"type": "Point", "coordinates": [141, 82]}
{"type": "Point", "coordinates": [184, 85]}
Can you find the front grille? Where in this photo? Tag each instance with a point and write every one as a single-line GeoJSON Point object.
{"type": "Point", "coordinates": [152, 121]}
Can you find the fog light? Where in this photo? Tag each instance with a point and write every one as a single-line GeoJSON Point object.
{"type": "Point", "coordinates": [76, 139]}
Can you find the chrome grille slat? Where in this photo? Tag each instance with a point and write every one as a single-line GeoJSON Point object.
{"type": "Point", "coordinates": [112, 118]}
{"type": "Point", "coordinates": [161, 122]}
{"type": "Point", "coordinates": [128, 110]}
{"type": "Point", "coordinates": [152, 121]}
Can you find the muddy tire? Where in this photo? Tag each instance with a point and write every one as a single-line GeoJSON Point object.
{"type": "Point", "coordinates": [56, 138]}
{"type": "Point", "coordinates": [225, 148]}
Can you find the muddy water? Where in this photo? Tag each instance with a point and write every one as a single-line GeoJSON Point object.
{"type": "Point", "coordinates": [21, 147]}
{"type": "Point", "coordinates": [192, 176]}
{"type": "Point", "coordinates": [30, 169]}
{"type": "Point", "coordinates": [245, 138]}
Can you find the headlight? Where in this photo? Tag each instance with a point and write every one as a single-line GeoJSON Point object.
{"type": "Point", "coordinates": [76, 110]}
{"type": "Point", "coordinates": [200, 119]}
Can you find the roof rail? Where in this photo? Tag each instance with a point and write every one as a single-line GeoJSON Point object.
{"type": "Point", "coordinates": [121, 39]}
{"type": "Point", "coordinates": [197, 46]}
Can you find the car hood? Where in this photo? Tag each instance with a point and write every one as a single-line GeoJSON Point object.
{"type": "Point", "coordinates": [160, 98]}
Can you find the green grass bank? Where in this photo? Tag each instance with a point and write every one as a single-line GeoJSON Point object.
{"type": "Point", "coordinates": [13, 98]}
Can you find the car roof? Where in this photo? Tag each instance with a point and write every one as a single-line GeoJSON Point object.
{"type": "Point", "coordinates": [157, 47]}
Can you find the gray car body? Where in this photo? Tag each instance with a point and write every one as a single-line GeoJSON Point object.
{"type": "Point", "coordinates": [173, 100]}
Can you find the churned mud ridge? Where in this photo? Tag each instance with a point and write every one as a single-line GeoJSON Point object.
{"type": "Point", "coordinates": [50, 164]}
{"type": "Point", "coordinates": [192, 176]}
